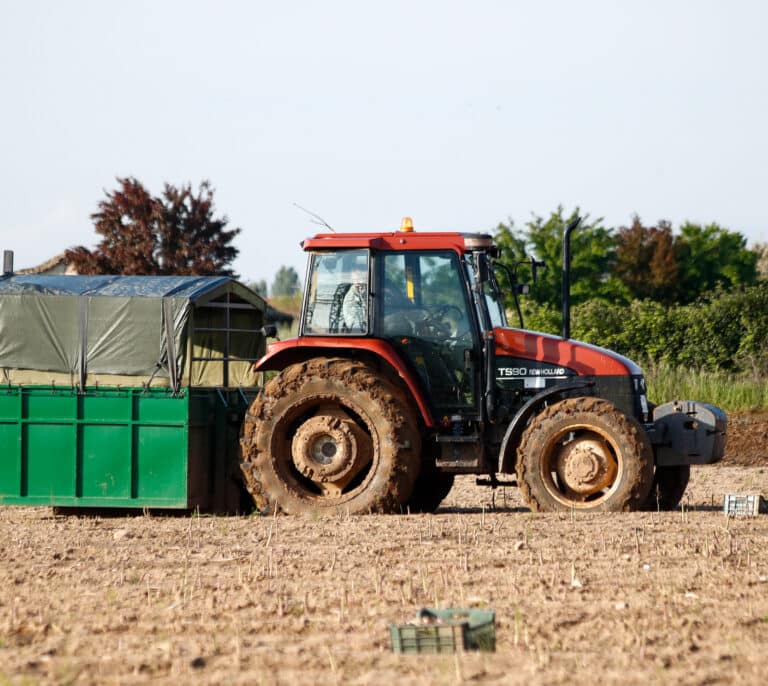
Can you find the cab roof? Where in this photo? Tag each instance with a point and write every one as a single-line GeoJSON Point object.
{"type": "Point", "coordinates": [400, 240]}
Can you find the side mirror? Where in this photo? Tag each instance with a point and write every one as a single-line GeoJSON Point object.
{"type": "Point", "coordinates": [535, 266]}
{"type": "Point", "coordinates": [482, 271]}
{"type": "Point", "coordinates": [268, 331]}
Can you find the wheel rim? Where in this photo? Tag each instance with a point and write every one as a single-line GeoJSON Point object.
{"type": "Point", "coordinates": [581, 466]}
{"type": "Point", "coordinates": [324, 450]}
{"type": "Point", "coordinates": [330, 451]}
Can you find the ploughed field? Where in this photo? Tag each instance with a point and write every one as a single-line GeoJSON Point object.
{"type": "Point", "coordinates": [672, 597]}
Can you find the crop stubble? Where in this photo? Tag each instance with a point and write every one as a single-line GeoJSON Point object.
{"type": "Point", "coordinates": [679, 597]}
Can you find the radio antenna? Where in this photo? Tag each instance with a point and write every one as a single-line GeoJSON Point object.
{"type": "Point", "coordinates": [317, 219]}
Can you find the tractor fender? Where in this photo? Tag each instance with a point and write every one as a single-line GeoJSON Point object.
{"type": "Point", "coordinates": [280, 354]}
{"type": "Point", "coordinates": [520, 420]}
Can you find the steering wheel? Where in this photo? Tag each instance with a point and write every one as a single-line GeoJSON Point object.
{"type": "Point", "coordinates": [458, 318]}
{"type": "Point", "coordinates": [435, 322]}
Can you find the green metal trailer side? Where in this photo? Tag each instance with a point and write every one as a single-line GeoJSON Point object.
{"type": "Point", "coordinates": [112, 447]}
{"type": "Point", "coordinates": [119, 447]}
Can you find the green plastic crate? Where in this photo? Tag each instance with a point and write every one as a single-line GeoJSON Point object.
{"type": "Point", "coordinates": [445, 631]}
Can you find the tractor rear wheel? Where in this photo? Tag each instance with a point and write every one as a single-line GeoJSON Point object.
{"type": "Point", "coordinates": [669, 484]}
{"type": "Point", "coordinates": [329, 435]}
{"type": "Point", "coordinates": [584, 453]}
{"type": "Point", "coordinates": [430, 489]}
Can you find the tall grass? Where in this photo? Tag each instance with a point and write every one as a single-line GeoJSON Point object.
{"type": "Point", "coordinates": [733, 392]}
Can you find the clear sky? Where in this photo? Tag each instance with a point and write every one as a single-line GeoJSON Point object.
{"type": "Point", "coordinates": [459, 114]}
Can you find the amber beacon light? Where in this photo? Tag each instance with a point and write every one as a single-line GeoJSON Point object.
{"type": "Point", "coordinates": [406, 225]}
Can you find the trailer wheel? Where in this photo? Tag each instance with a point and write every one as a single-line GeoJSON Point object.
{"type": "Point", "coordinates": [329, 435]}
{"type": "Point", "coordinates": [669, 484]}
{"type": "Point", "coordinates": [584, 453]}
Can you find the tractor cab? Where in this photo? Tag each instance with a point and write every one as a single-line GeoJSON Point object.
{"type": "Point", "coordinates": [417, 293]}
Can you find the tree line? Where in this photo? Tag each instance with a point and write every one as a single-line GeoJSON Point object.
{"type": "Point", "coordinates": [634, 262]}
{"type": "Point", "coordinates": [696, 297]}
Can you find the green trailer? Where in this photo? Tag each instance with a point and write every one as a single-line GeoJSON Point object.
{"type": "Point", "coordinates": [125, 392]}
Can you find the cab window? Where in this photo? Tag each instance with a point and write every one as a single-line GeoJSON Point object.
{"type": "Point", "coordinates": [338, 294]}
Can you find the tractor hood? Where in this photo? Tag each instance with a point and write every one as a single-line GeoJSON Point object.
{"type": "Point", "coordinates": [582, 358]}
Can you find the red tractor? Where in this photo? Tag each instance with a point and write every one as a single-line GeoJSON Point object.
{"type": "Point", "coordinates": [405, 373]}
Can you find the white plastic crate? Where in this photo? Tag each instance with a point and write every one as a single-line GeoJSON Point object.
{"type": "Point", "coordinates": [749, 505]}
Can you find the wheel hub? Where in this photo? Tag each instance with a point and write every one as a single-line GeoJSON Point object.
{"type": "Point", "coordinates": [586, 466]}
{"type": "Point", "coordinates": [330, 450]}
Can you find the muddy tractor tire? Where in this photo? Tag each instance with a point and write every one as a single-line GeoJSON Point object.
{"type": "Point", "coordinates": [668, 488]}
{"type": "Point", "coordinates": [331, 436]}
{"type": "Point", "coordinates": [584, 453]}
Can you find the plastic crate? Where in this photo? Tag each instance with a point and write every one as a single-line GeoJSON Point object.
{"type": "Point", "coordinates": [445, 631]}
{"type": "Point", "coordinates": [748, 505]}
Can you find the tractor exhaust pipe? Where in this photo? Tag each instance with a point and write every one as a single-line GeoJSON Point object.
{"type": "Point", "coordinates": [567, 277]}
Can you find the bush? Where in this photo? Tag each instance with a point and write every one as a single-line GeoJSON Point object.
{"type": "Point", "coordinates": [538, 317]}
{"type": "Point", "coordinates": [722, 331]}
{"type": "Point", "coordinates": [715, 348]}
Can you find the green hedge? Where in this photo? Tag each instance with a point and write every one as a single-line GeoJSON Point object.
{"type": "Point", "coordinates": [724, 331]}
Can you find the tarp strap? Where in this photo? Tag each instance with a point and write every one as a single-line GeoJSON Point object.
{"type": "Point", "coordinates": [170, 343]}
{"type": "Point", "coordinates": [82, 361]}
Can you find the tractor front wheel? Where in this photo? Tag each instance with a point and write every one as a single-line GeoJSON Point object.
{"type": "Point", "coordinates": [329, 435]}
{"type": "Point", "coordinates": [584, 453]}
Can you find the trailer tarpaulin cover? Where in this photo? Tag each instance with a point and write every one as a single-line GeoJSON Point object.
{"type": "Point", "coordinates": [115, 325]}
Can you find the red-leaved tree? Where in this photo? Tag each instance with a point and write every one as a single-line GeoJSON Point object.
{"type": "Point", "coordinates": [176, 233]}
{"type": "Point", "coordinates": [647, 261]}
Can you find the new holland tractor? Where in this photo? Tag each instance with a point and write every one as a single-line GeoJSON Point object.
{"type": "Point", "coordinates": [405, 372]}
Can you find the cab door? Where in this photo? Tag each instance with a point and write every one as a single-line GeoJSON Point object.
{"type": "Point", "coordinates": [425, 313]}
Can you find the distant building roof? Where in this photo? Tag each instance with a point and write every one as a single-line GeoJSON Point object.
{"type": "Point", "coordinates": [56, 265]}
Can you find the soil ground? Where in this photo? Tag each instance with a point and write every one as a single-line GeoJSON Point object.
{"type": "Point", "coordinates": [678, 597]}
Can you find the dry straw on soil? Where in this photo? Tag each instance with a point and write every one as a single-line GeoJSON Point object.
{"type": "Point", "coordinates": [676, 597]}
